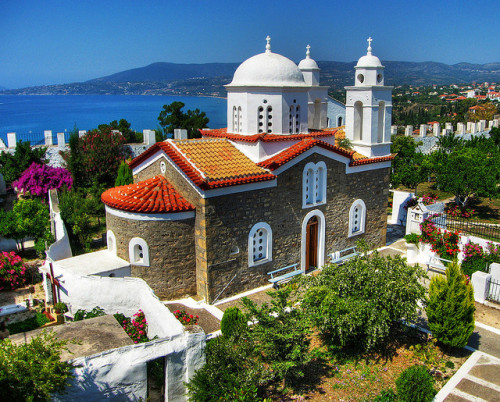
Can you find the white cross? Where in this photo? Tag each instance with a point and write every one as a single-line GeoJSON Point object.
{"type": "Point", "coordinates": [308, 52]}
{"type": "Point", "coordinates": [369, 44]}
{"type": "Point", "coordinates": [268, 45]}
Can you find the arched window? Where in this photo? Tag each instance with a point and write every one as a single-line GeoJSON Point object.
{"type": "Point", "coordinates": [358, 121]}
{"type": "Point", "coordinates": [260, 119]}
{"type": "Point", "coordinates": [314, 184]}
{"type": "Point", "coordinates": [240, 120]}
{"type": "Point", "coordinates": [111, 242]}
{"type": "Point", "coordinates": [291, 123]}
{"type": "Point", "coordinates": [138, 252]}
{"type": "Point", "coordinates": [269, 119]}
{"type": "Point", "coordinates": [381, 122]}
{"type": "Point", "coordinates": [339, 122]}
{"type": "Point", "coordinates": [297, 119]}
{"type": "Point", "coordinates": [260, 244]}
{"type": "Point", "coordinates": [357, 218]}
{"type": "Point", "coordinates": [235, 120]}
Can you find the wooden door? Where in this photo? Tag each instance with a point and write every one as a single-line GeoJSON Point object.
{"type": "Point", "coordinates": [312, 243]}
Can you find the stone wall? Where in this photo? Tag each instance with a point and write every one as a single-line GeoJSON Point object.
{"type": "Point", "coordinates": [171, 272]}
{"type": "Point", "coordinates": [230, 218]}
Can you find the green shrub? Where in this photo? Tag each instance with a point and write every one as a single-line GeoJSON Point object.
{"type": "Point", "coordinates": [29, 324]}
{"type": "Point", "coordinates": [230, 369]}
{"type": "Point", "coordinates": [233, 322]}
{"type": "Point", "coordinates": [33, 371]}
{"type": "Point", "coordinates": [450, 307]}
{"type": "Point", "coordinates": [474, 264]}
{"type": "Point", "coordinates": [84, 315]}
{"type": "Point", "coordinates": [61, 308]}
{"type": "Point", "coordinates": [386, 395]}
{"type": "Point", "coordinates": [354, 305]}
{"type": "Point", "coordinates": [412, 238]}
{"type": "Point", "coordinates": [415, 384]}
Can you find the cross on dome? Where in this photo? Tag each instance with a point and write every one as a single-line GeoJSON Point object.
{"type": "Point", "coordinates": [308, 52]}
{"type": "Point", "coordinates": [369, 40]}
{"type": "Point", "coordinates": [268, 45]}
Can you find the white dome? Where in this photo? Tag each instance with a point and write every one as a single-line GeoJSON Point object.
{"type": "Point", "coordinates": [268, 70]}
{"type": "Point", "coordinates": [369, 61]}
{"type": "Point", "coordinates": [308, 64]}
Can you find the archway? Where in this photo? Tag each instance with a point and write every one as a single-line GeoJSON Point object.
{"type": "Point", "coordinates": [313, 240]}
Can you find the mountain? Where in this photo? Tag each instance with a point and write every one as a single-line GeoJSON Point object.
{"type": "Point", "coordinates": [209, 79]}
{"type": "Point", "coordinates": [2, 88]}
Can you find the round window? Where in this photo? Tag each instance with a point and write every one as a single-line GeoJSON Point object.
{"type": "Point", "coordinates": [379, 78]}
{"type": "Point", "coordinates": [361, 78]}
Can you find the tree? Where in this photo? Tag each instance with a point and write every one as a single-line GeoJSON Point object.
{"type": "Point", "coordinates": [11, 166]}
{"type": "Point", "coordinates": [123, 126]}
{"type": "Point", "coordinates": [450, 307]}
{"type": "Point", "coordinates": [95, 157]}
{"type": "Point", "coordinates": [33, 371]}
{"type": "Point", "coordinates": [486, 111]}
{"type": "Point", "coordinates": [466, 172]}
{"type": "Point", "coordinates": [37, 180]}
{"type": "Point", "coordinates": [355, 304]}
{"type": "Point", "coordinates": [449, 142]}
{"type": "Point", "coordinates": [28, 218]}
{"type": "Point", "coordinates": [172, 117]}
{"type": "Point", "coordinates": [280, 335]}
{"type": "Point", "coordinates": [409, 168]}
{"type": "Point", "coordinates": [124, 175]}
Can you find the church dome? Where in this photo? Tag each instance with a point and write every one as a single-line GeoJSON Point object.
{"type": "Point", "coordinates": [369, 60]}
{"type": "Point", "coordinates": [268, 70]}
{"type": "Point", "coordinates": [308, 63]}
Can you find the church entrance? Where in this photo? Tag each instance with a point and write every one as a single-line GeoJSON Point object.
{"type": "Point", "coordinates": [312, 244]}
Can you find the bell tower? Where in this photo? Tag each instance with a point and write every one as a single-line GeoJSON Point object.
{"type": "Point", "coordinates": [369, 108]}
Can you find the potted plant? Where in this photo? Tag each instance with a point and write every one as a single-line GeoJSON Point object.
{"type": "Point", "coordinates": [412, 241]}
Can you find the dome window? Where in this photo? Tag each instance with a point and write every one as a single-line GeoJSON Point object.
{"type": "Point", "coordinates": [379, 78]}
{"type": "Point", "coordinates": [361, 78]}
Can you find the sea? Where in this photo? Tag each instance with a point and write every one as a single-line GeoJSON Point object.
{"type": "Point", "coordinates": [29, 115]}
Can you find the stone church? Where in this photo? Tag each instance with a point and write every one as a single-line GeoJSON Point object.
{"type": "Point", "coordinates": [212, 216]}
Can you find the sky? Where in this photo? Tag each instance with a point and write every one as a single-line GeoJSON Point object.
{"type": "Point", "coordinates": [45, 42]}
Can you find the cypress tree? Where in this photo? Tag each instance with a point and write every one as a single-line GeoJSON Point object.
{"type": "Point", "coordinates": [450, 307]}
{"type": "Point", "coordinates": [124, 175]}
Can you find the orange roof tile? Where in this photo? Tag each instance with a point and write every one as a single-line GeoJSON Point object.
{"type": "Point", "coordinates": [155, 195]}
{"type": "Point", "coordinates": [218, 159]}
{"type": "Point", "coordinates": [209, 163]}
{"type": "Point", "coordinates": [222, 133]}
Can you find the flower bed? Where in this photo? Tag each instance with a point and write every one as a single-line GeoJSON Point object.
{"type": "Point", "coordinates": [444, 243]}
{"type": "Point", "coordinates": [136, 328]}
{"type": "Point", "coordinates": [457, 211]}
{"type": "Point", "coordinates": [476, 258]}
{"type": "Point", "coordinates": [12, 271]}
{"type": "Point", "coordinates": [185, 318]}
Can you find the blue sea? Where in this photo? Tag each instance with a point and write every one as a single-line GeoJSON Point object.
{"type": "Point", "coordinates": [29, 116]}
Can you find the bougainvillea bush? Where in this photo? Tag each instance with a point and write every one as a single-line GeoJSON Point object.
{"type": "Point", "coordinates": [444, 243]}
{"type": "Point", "coordinates": [477, 258]}
{"type": "Point", "coordinates": [429, 198]}
{"type": "Point", "coordinates": [136, 328]}
{"type": "Point", "coordinates": [458, 211]}
{"type": "Point", "coordinates": [185, 318]}
{"type": "Point", "coordinates": [38, 179]}
{"type": "Point", "coordinates": [12, 271]}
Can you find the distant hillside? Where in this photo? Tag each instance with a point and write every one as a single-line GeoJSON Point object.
{"type": "Point", "coordinates": [2, 88]}
{"type": "Point", "coordinates": [209, 79]}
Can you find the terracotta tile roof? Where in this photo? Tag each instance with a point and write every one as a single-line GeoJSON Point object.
{"type": "Point", "coordinates": [366, 161]}
{"type": "Point", "coordinates": [155, 195]}
{"type": "Point", "coordinates": [222, 133]}
{"type": "Point", "coordinates": [209, 163]}
{"type": "Point", "coordinates": [295, 150]}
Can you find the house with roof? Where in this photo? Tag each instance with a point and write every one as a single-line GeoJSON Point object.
{"type": "Point", "coordinates": [213, 216]}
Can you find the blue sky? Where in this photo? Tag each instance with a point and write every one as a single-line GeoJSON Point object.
{"type": "Point", "coordinates": [53, 41]}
